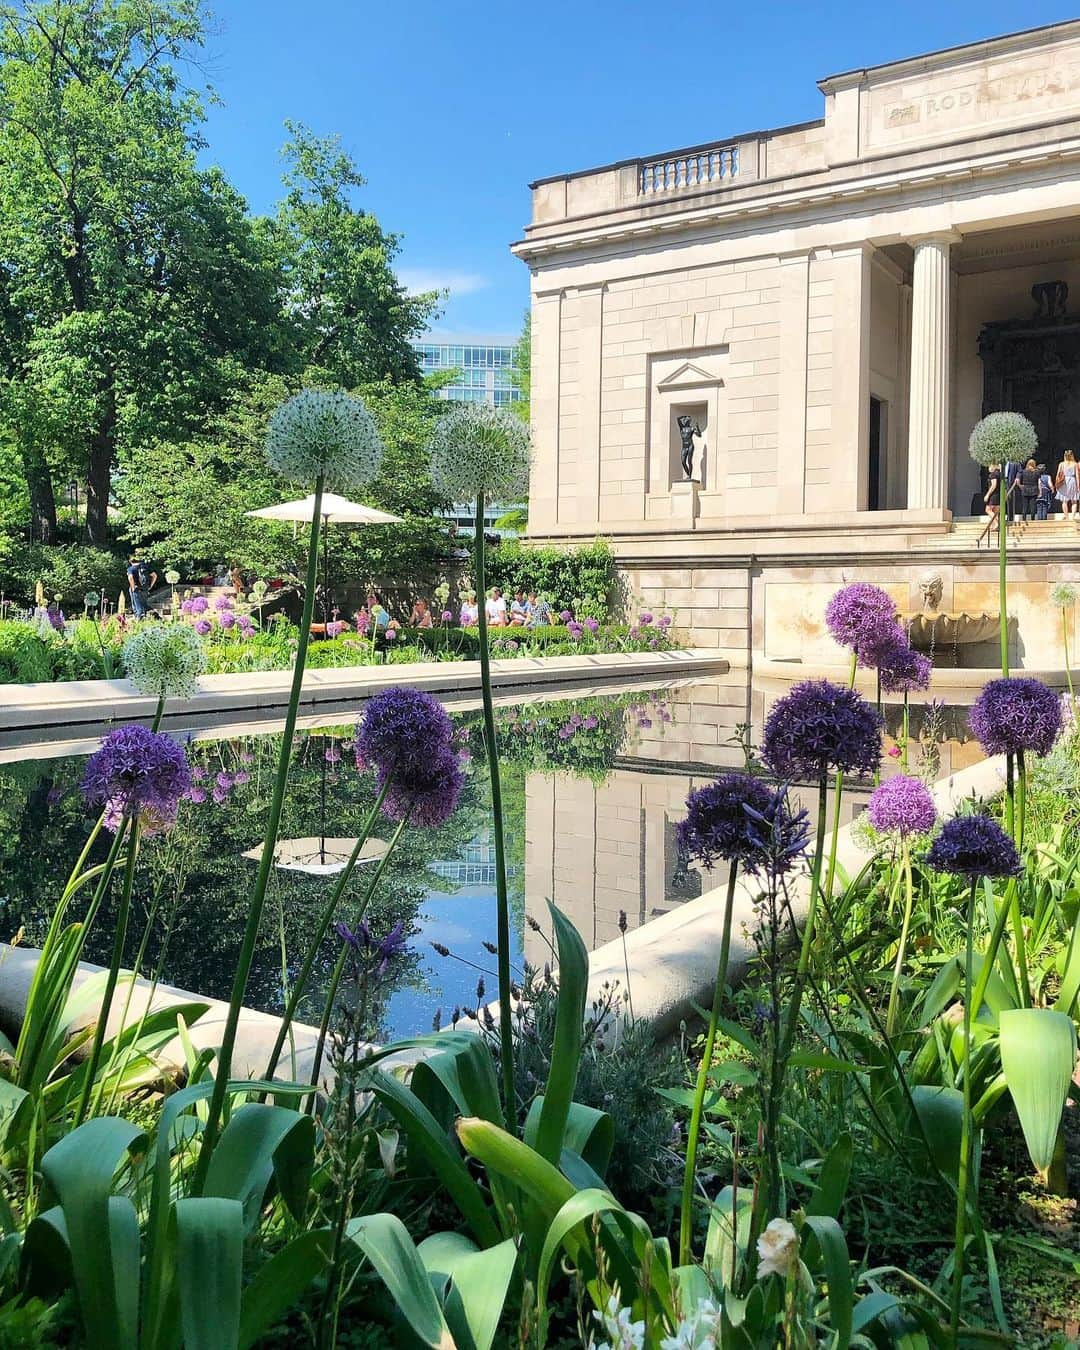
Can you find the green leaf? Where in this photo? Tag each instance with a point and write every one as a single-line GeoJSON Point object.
{"type": "Point", "coordinates": [386, 1243]}
{"type": "Point", "coordinates": [833, 1178]}
{"type": "Point", "coordinates": [589, 1133]}
{"type": "Point", "coordinates": [209, 1269]}
{"type": "Point", "coordinates": [280, 1282]}
{"type": "Point", "coordinates": [941, 1111]}
{"type": "Point", "coordinates": [259, 1142]}
{"type": "Point", "coordinates": [509, 1157]}
{"type": "Point", "coordinates": [729, 1228]}
{"type": "Point", "coordinates": [103, 1236]}
{"type": "Point", "coordinates": [870, 1307]}
{"type": "Point", "coordinates": [16, 1106]}
{"type": "Point", "coordinates": [1038, 1055]}
{"type": "Point", "coordinates": [566, 1048]}
{"type": "Point", "coordinates": [835, 1268]}
{"type": "Point", "coordinates": [813, 1059]}
{"type": "Point", "coordinates": [463, 1073]}
{"type": "Point", "coordinates": [582, 1205]}
{"type": "Point", "coordinates": [478, 1291]}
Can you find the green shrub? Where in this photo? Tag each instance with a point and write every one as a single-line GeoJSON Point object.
{"type": "Point", "coordinates": [583, 580]}
{"type": "Point", "coordinates": [67, 570]}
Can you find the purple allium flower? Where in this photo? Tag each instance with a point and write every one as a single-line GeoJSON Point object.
{"type": "Point", "coordinates": [446, 616]}
{"type": "Point", "coordinates": [645, 619]}
{"type": "Point", "coordinates": [241, 777]}
{"type": "Point", "coordinates": [862, 617]}
{"type": "Point", "coordinates": [187, 607]}
{"type": "Point", "coordinates": [137, 772]}
{"type": "Point", "coordinates": [634, 633]}
{"type": "Point", "coordinates": [220, 795]}
{"type": "Point", "coordinates": [202, 627]}
{"type": "Point", "coordinates": [974, 846]}
{"type": "Point", "coordinates": [332, 754]}
{"type": "Point", "coordinates": [198, 773]}
{"type": "Point", "coordinates": [820, 727]}
{"type": "Point", "coordinates": [223, 602]}
{"type": "Point", "coordinates": [575, 630]}
{"type": "Point", "coordinates": [902, 804]}
{"type": "Point", "coordinates": [1013, 715]}
{"type": "Point", "coordinates": [334, 628]}
{"type": "Point", "coordinates": [644, 722]}
{"type": "Point", "coordinates": [224, 780]}
{"type": "Point", "coordinates": [226, 618]}
{"type": "Point", "coordinates": [247, 757]}
{"type": "Point", "coordinates": [743, 819]}
{"type": "Point", "coordinates": [566, 732]}
{"type": "Point", "coordinates": [427, 794]}
{"type": "Point", "coordinates": [590, 723]}
{"type": "Point", "coordinates": [576, 719]}
{"type": "Point", "coordinates": [902, 669]}
{"type": "Point", "coordinates": [199, 604]}
{"type": "Point", "coordinates": [391, 635]}
{"type": "Point", "coordinates": [197, 795]}
{"type": "Point", "coordinates": [402, 730]}
{"type": "Point", "coordinates": [593, 625]}
{"type": "Point", "coordinates": [664, 621]}
{"type": "Point", "coordinates": [565, 616]}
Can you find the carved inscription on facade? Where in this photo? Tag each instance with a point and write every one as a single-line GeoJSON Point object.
{"type": "Point", "coordinates": [934, 107]}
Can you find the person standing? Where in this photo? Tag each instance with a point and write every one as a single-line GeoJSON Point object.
{"type": "Point", "coordinates": [1012, 470]}
{"type": "Point", "coordinates": [141, 581]}
{"type": "Point", "coordinates": [1067, 482]}
{"type": "Point", "coordinates": [1029, 489]}
{"type": "Point", "coordinates": [992, 496]}
{"type": "Point", "coordinates": [1045, 498]}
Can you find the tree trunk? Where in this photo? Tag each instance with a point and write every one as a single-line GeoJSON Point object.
{"type": "Point", "coordinates": [99, 474]}
{"type": "Point", "coordinates": [42, 498]}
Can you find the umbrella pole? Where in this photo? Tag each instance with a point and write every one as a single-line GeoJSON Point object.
{"type": "Point", "coordinates": [322, 805]}
{"type": "Point", "coordinates": [326, 570]}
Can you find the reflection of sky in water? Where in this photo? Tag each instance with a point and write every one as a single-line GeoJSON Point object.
{"type": "Point", "coordinates": [462, 922]}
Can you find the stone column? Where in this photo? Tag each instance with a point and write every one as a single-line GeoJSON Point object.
{"type": "Point", "coordinates": [929, 409]}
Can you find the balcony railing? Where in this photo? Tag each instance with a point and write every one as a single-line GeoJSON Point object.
{"type": "Point", "coordinates": [689, 170]}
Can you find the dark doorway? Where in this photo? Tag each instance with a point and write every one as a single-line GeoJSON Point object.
{"type": "Point", "coordinates": [875, 476]}
{"type": "Point", "coordinates": [1032, 366]}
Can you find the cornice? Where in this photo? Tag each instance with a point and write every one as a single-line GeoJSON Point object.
{"type": "Point", "coordinates": [800, 199]}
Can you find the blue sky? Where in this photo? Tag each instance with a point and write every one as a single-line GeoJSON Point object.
{"type": "Point", "coordinates": [451, 109]}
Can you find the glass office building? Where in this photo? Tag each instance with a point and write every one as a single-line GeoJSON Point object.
{"type": "Point", "coordinates": [483, 368]}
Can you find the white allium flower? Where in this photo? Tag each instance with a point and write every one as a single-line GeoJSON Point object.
{"type": "Point", "coordinates": [1063, 595]}
{"type": "Point", "coordinates": [621, 1331]}
{"type": "Point", "coordinates": [1003, 436]}
{"type": "Point", "coordinates": [778, 1249]}
{"type": "Point", "coordinates": [479, 448]}
{"type": "Point", "coordinates": [164, 660]}
{"type": "Point", "coordinates": [328, 432]}
{"type": "Point", "coordinates": [172, 576]}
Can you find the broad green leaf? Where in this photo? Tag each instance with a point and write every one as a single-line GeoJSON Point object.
{"type": "Point", "coordinates": [386, 1243]}
{"type": "Point", "coordinates": [940, 1111]}
{"type": "Point", "coordinates": [589, 1133]}
{"type": "Point", "coordinates": [465, 1076]}
{"type": "Point", "coordinates": [246, 1157]}
{"type": "Point", "coordinates": [426, 1136]}
{"type": "Point", "coordinates": [835, 1269]}
{"type": "Point", "coordinates": [478, 1290]}
{"type": "Point", "coordinates": [833, 1178]}
{"type": "Point", "coordinates": [509, 1157]}
{"type": "Point", "coordinates": [1070, 973]}
{"type": "Point", "coordinates": [79, 1170]}
{"type": "Point", "coordinates": [1038, 1055]}
{"type": "Point", "coordinates": [813, 1059]}
{"type": "Point", "coordinates": [209, 1270]}
{"type": "Point", "coordinates": [729, 1228]}
{"type": "Point", "coordinates": [566, 1047]}
{"type": "Point", "coordinates": [582, 1205]}
{"type": "Point", "coordinates": [280, 1282]}
{"type": "Point", "coordinates": [870, 1307]}
{"type": "Point", "coordinates": [16, 1105]}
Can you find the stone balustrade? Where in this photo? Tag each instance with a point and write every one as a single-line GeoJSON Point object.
{"type": "Point", "coordinates": [689, 169]}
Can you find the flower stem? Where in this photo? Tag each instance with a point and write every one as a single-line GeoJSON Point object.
{"type": "Point", "coordinates": [906, 733]}
{"type": "Point", "coordinates": [506, 1029]}
{"type": "Point", "coordinates": [339, 964]}
{"type": "Point", "coordinates": [325, 919]}
{"type": "Point", "coordinates": [1003, 591]}
{"type": "Point", "coordinates": [114, 972]}
{"type": "Point", "coordinates": [787, 1040]}
{"type": "Point", "coordinates": [697, 1108]}
{"type": "Point", "coordinates": [266, 862]}
{"type": "Point", "coordinates": [1068, 665]}
{"type": "Point", "coordinates": [965, 1134]}
{"type": "Point", "coordinates": [901, 951]}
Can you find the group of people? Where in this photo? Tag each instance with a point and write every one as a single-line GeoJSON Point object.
{"type": "Point", "coordinates": [526, 609]}
{"type": "Point", "coordinates": [1031, 491]}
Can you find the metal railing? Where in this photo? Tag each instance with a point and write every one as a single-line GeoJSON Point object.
{"type": "Point", "coordinates": [689, 170]}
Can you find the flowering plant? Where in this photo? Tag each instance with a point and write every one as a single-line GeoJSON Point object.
{"type": "Point", "coordinates": [325, 434]}
{"type": "Point", "coordinates": [164, 660]}
{"type": "Point", "coordinates": [478, 450]}
{"type": "Point", "coordinates": [1003, 437]}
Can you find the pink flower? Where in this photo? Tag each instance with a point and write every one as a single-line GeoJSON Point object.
{"type": "Point", "coordinates": [894, 752]}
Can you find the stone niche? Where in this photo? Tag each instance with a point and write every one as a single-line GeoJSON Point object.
{"type": "Point", "coordinates": [686, 383]}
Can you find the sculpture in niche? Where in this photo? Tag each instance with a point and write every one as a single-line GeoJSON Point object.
{"type": "Point", "coordinates": [688, 429]}
{"type": "Point", "coordinates": [1050, 298]}
{"type": "Point", "coordinates": [931, 586]}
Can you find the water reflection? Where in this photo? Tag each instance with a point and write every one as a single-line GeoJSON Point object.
{"type": "Point", "coordinates": [594, 787]}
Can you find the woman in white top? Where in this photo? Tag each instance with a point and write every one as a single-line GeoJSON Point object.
{"type": "Point", "coordinates": [496, 608]}
{"type": "Point", "coordinates": [1068, 483]}
{"type": "Point", "coordinates": [470, 613]}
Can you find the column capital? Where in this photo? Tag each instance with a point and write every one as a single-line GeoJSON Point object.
{"type": "Point", "coordinates": [946, 236]}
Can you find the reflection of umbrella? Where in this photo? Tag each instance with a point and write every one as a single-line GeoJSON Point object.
{"type": "Point", "coordinates": [319, 856]}
{"type": "Point", "coordinates": [335, 511]}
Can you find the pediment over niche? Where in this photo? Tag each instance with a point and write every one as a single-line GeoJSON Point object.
{"type": "Point", "coordinates": [688, 376]}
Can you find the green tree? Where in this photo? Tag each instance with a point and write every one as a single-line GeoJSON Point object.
{"type": "Point", "coordinates": [131, 280]}
{"type": "Point", "coordinates": [522, 371]}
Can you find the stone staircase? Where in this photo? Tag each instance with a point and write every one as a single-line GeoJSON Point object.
{"type": "Point", "coordinates": [971, 533]}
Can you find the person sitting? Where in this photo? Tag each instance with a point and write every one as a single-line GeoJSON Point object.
{"type": "Point", "coordinates": [380, 619]}
{"type": "Point", "coordinates": [518, 612]}
{"type": "Point", "coordinates": [540, 612]}
{"type": "Point", "coordinates": [421, 615]}
{"type": "Point", "coordinates": [496, 608]}
{"type": "Point", "coordinates": [470, 612]}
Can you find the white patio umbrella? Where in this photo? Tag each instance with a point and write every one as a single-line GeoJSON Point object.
{"type": "Point", "coordinates": [335, 511]}
{"type": "Point", "coordinates": [318, 855]}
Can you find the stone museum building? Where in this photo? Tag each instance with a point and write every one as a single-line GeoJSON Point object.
{"type": "Point", "coordinates": [812, 319]}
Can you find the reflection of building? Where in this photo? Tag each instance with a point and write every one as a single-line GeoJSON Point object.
{"type": "Point", "coordinates": [833, 304]}
{"type": "Point", "coordinates": [475, 868]}
{"type": "Point", "coordinates": [484, 372]}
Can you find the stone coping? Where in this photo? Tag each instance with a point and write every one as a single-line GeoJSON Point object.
{"type": "Point", "coordinates": [82, 702]}
{"type": "Point", "coordinates": [962, 680]}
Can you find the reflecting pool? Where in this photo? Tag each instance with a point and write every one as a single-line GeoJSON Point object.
{"type": "Point", "coordinates": [594, 784]}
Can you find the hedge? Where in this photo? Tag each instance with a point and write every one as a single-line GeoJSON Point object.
{"type": "Point", "coordinates": [583, 580]}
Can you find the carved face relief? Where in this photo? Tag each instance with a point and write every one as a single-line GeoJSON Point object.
{"type": "Point", "coordinates": [931, 586]}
